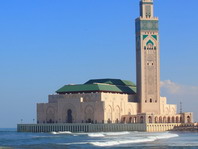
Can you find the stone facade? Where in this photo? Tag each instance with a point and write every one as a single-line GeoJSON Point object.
{"type": "Point", "coordinates": [86, 108]}
{"type": "Point", "coordinates": [104, 108]}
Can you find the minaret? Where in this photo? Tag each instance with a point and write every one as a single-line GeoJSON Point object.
{"type": "Point", "coordinates": [147, 59]}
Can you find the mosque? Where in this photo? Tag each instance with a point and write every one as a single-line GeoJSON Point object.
{"type": "Point", "coordinates": [101, 101]}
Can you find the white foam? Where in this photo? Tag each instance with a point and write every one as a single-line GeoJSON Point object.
{"type": "Point", "coordinates": [96, 135]}
{"type": "Point", "coordinates": [117, 133]}
{"type": "Point", "coordinates": [74, 143]}
{"type": "Point", "coordinates": [165, 136]}
{"type": "Point", "coordinates": [61, 132]}
{"type": "Point", "coordinates": [114, 143]}
{"type": "Point", "coordinates": [134, 140]}
{"type": "Point", "coordinates": [45, 137]}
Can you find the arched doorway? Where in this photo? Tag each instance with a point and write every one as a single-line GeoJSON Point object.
{"type": "Point", "coordinates": [181, 120]}
{"type": "Point", "coordinates": [188, 119]}
{"type": "Point", "coordinates": [160, 119]}
{"type": "Point", "coordinates": [169, 120]}
{"type": "Point", "coordinates": [173, 119]}
{"type": "Point", "coordinates": [130, 120]}
{"type": "Point", "coordinates": [124, 120]}
{"type": "Point", "coordinates": [116, 121]}
{"type": "Point", "coordinates": [69, 116]}
{"type": "Point", "coordinates": [89, 121]}
{"type": "Point", "coordinates": [141, 119]}
{"type": "Point", "coordinates": [156, 119]}
{"type": "Point", "coordinates": [150, 119]}
{"type": "Point", "coordinates": [134, 120]}
{"type": "Point", "coordinates": [164, 119]}
{"type": "Point", "coordinates": [177, 119]}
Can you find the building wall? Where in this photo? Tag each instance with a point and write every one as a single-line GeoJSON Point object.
{"type": "Point", "coordinates": [104, 108]}
{"type": "Point", "coordinates": [168, 109]}
{"type": "Point", "coordinates": [83, 107]}
{"type": "Point", "coordinates": [117, 105]}
{"type": "Point", "coordinates": [86, 108]}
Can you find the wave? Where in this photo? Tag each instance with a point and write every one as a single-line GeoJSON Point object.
{"type": "Point", "coordinates": [165, 136]}
{"type": "Point", "coordinates": [103, 134]}
{"type": "Point", "coordinates": [74, 143]}
{"type": "Point", "coordinates": [117, 133]}
{"type": "Point", "coordinates": [37, 137]}
{"type": "Point", "coordinates": [96, 135]}
{"type": "Point", "coordinates": [114, 143]}
{"type": "Point", "coordinates": [61, 132]}
{"type": "Point", "coordinates": [134, 140]}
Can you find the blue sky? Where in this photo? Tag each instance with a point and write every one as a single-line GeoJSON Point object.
{"type": "Point", "coordinates": [46, 44]}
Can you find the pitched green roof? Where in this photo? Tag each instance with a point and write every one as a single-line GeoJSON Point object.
{"type": "Point", "coordinates": [101, 85]}
{"type": "Point", "coordinates": [111, 81]}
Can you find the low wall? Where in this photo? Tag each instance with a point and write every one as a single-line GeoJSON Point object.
{"type": "Point", "coordinates": [160, 127]}
{"type": "Point", "coordinates": [192, 127]}
{"type": "Point", "coordinates": [148, 127]}
{"type": "Point", "coordinates": [80, 127]}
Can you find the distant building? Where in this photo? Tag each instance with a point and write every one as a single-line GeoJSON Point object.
{"type": "Point", "coordinates": [115, 100]}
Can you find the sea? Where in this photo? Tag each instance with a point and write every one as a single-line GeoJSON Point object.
{"type": "Point", "coordinates": [11, 139]}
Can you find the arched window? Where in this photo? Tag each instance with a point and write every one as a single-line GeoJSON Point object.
{"type": "Point", "coordinates": [160, 119]}
{"type": "Point", "coordinates": [156, 119]}
{"type": "Point", "coordinates": [173, 119]}
{"type": "Point", "coordinates": [150, 119]}
{"type": "Point", "coordinates": [164, 119]}
{"type": "Point", "coordinates": [181, 120]}
{"type": "Point", "coordinates": [141, 119]}
{"type": "Point", "coordinates": [177, 119]}
{"type": "Point", "coordinates": [135, 120]}
{"type": "Point", "coordinates": [130, 119]}
{"type": "Point", "coordinates": [169, 120]}
{"type": "Point", "coordinates": [124, 120]}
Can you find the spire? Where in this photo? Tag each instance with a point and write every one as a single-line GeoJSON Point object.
{"type": "Point", "coordinates": [146, 8]}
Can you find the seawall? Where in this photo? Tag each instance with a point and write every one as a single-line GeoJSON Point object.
{"type": "Point", "coordinates": [146, 127]}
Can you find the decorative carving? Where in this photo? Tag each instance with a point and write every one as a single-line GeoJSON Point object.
{"type": "Point", "coordinates": [149, 25]}
{"type": "Point", "coordinates": [50, 115]}
{"type": "Point", "coordinates": [89, 114]}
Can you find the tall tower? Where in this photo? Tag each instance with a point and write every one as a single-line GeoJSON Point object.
{"type": "Point", "coordinates": [147, 59]}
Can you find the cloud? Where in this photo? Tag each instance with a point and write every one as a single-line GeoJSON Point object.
{"type": "Point", "coordinates": [173, 88]}
{"type": "Point", "coordinates": [177, 93]}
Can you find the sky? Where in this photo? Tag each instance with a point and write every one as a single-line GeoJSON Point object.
{"type": "Point", "coordinates": [45, 44]}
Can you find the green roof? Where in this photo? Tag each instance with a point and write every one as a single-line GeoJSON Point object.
{"type": "Point", "coordinates": [111, 81]}
{"type": "Point", "coordinates": [101, 85]}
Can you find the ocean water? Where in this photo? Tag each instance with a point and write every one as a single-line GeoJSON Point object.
{"type": "Point", "coordinates": [9, 139]}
